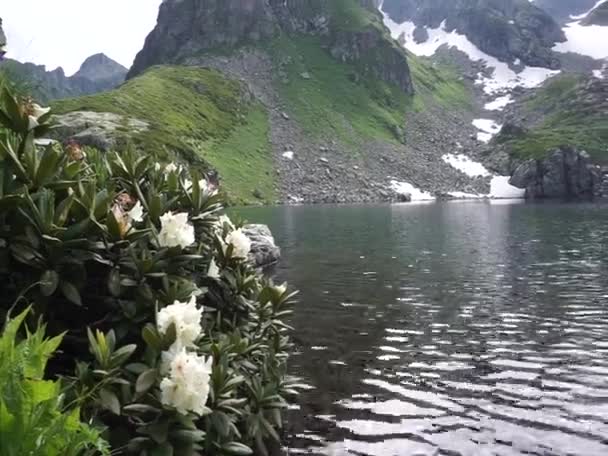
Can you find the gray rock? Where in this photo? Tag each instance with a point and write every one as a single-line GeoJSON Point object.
{"type": "Point", "coordinates": [564, 173]}
{"type": "Point", "coordinates": [96, 129]}
{"type": "Point", "coordinates": [264, 251]}
{"type": "Point", "coordinates": [305, 75]}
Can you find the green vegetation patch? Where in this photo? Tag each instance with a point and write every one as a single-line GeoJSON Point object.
{"type": "Point", "coordinates": [437, 84]}
{"type": "Point", "coordinates": [194, 113]}
{"type": "Point", "coordinates": [243, 160]}
{"type": "Point", "coordinates": [571, 118]}
{"type": "Point", "coordinates": [335, 100]}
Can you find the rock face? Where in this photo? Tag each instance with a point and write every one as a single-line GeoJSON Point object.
{"type": "Point", "coordinates": [565, 173]}
{"type": "Point", "coordinates": [95, 129]}
{"type": "Point", "coordinates": [2, 37]}
{"type": "Point", "coordinates": [599, 15]}
{"type": "Point", "coordinates": [101, 70]}
{"type": "Point", "coordinates": [505, 29]}
{"type": "Point", "coordinates": [561, 10]}
{"type": "Point", "coordinates": [264, 251]}
{"type": "Point", "coordinates": [187, 28]}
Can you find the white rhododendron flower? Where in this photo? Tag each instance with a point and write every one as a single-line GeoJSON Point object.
{"type": "Point", "coordinates": [241, 244]}
{"type": "Point", "coordinates": [186, 317]}
{"type": "Point", "coordinates": [214, 271]}
{"type": "Point", "coordinates": [171, 168]}
{"type": "Point", "coordinates": [187, 386]}
{"type": "Point", "coordinates": [35, 112]}
{"type": "Point", "coordinates": [203, 184]}
{"type": "Point", "coordinates": [176, 231]}
{"type": "Point", "coordinates": [136, 214]}
{"type": "Point", "coordinates": [157, 166]}
{"type": "Point", "coordinates": [281, 289]}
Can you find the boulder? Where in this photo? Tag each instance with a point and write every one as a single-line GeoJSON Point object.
{"type": "Point", "coordinates": [96, 129]}
{"type": "Point", "coordinates": [264, 251]}
{"type": "Point", "coordinates": [564, 173]}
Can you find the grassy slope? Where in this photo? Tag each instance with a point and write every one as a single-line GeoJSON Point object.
{"type": "Point", "coordinates": [338, 101]}
{"type": "Point", "coordinates": [195, 114]}
{"type": "Point", "coordinates": [568, 121]}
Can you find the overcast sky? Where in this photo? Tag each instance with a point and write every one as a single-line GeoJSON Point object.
{"type": "Point", "coordinates": [65, 32]}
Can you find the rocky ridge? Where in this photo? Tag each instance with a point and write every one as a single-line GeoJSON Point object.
{"type": "Point", "coordinates": [506, 29]}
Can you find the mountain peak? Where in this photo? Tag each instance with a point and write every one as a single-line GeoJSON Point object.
{"type": "Point", "coordinates": [100, 67]}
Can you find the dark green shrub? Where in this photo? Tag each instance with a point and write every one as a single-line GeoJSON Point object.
{"type": "Point", "coordinates": [174, 343]}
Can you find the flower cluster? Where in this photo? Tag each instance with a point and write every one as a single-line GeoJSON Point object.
{"type": "Point", "coordinates": [186, 386]}
{"type": "Point", "coordinates": [241, 245]}
{"type": "Point", "coordinates": [176, 231]}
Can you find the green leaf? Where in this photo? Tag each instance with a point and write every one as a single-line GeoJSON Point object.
{"type": "Point", "coordinates": [237, 449]}
{"type": "Point", "coordinates": [114, 282]}
{"type": "Point", "coordinates": [109, 401]}
{"type": "Point", "coordinates": [150, 335]}
{"type": "Point", "coordinates": [166, 449]}
{"type": "Point", "coordinates": [71, 293]}
{"type": "Point", "coordinates": [49, 282]}
{"type": "Point", "coordinates": [146, 380]}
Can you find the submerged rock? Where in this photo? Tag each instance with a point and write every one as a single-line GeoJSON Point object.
{"type": "Point", "coordinates": [264, 251]}
{"type": "Point", "coordinates": [564, 173]}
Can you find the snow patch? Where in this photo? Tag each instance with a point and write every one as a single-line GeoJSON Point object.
{"type": "Point", "coordinates": [502, 77]}
{"type": "Point", "coordinates": [288, 155]}
{"type": "Point", "coordinates": [465, 165]}
{"type": "Point", "coordinates": [403, 188]}
{"type": "Point", "coordinates": [585, 40]}
{"type": "Point", "coordinates": [501, 189]}
{"type": "Point", "coordinates": [487, 129]}
{"type": "Point", "coordinates": [499, 103]}
{"type": "Point", "coordinates": [499, 185]}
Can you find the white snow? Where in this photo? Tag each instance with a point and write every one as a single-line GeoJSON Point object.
{"type": "Point", "coordinates": [499, 103]}
{"type": "Point", "coordinates": [499, 185]}
{"type": "Point", "coordinates": [500, 188]}
{"type": "Point", "coordinates": [403, 188]}
{"type": "Point", "coordinates": [585, 39]}
{"type": "Point", "coordinates": [288, 155]}
{"type": "Point", "coordinates": [503, 77]}
{"type": "Point", "coordinates": [464, 164]}
{"type": "Point", "coordinates": [487, 129]}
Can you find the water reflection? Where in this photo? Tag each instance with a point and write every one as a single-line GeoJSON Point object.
{"type": "Point", "coordinates": [465, 329]}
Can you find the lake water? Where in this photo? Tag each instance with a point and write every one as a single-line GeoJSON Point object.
{"type": "Point", "coordinates": [463, 328]}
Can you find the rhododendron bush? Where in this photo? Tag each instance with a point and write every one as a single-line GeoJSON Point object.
{"type": "Point", "coordinates": [173, 344]}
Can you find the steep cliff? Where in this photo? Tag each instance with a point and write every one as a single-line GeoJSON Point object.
{"type": "Point", "coordinates": [506, 29]}
{"type": "Point", "coordinates": [351, 30]}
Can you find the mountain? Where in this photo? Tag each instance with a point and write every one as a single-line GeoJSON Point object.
{"type": "Point", "coordinates": [563, 10]}
{"type": "Point", "coordinates": [506, 29]}
{"type": "Point", "coordinates": [97, 74]}
{"type": "Point", "coordinates": [348, 28]}
{"type": "Point", "coordinates": [102, 70]}
{"type": "Point", "coordinates": [292, 101]}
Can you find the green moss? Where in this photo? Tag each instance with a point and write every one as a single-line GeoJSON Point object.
{"type": "Point", "coordinates": [192, 113]}
{"type": "Point", "coordinates": [337, 101]}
